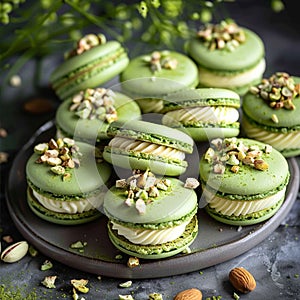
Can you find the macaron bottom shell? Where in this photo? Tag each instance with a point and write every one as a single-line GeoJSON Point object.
{"type": "Point", "coordinates": [250, 219]}
{"type": "Point", "coordinates": [60, 218]}
{"type": "Point", "coordinates": [156, 251]}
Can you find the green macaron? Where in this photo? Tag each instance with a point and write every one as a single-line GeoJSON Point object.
{"type": "Point", "coordinates": [204, 113]}
{"type": "Point", "coordinates": [96, 64]}
{"type": "Point", "coordinates": [149, 77]}
{"type": "Point", "coordinates": [87, 115]}
{"type": "Point", "coordinates": [153, 218]}
{"type": "Point", "coordinates": [244, 181]}
{"type": "Point", "coordinates": [66, 181]}
{"type": "Point", "coordinates": [228, 56]}
{"type": "Point", "coordinates": [143, 144]}
{"type": "Point", "coordinates": [273, 117]}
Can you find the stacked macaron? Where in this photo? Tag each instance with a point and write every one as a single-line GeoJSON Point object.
{"type": "Point", "coordinates": [228, 56]}
{"type": "Point", "coordinates": [149, 77]}
{"type": "Point", "coordinates": [93, 62]}
{"type": "Point", "coordinates": [142, 145]}
{"type": "Point", "coordinates": [66, 181]}
{"type": "Point", "coordinates": [244, 181]}
{"type": "Point", "coordinates": [271, 113]}
{"type": "Point", "coordinates": [203, 113]}
{"type": "Point", "coordinates": [151, 217]}
{"type": "Point", "coordinates": [87, 115]}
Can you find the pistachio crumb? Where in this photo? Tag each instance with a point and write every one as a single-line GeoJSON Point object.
{"type": "Point", "coordinates": [133, 262]}
{"type": "Point", "coordinates": [274, 118]}
{"type": "Point", "coordinates": [125, 297]}
{"type": "Point", "coordinates": [46, 265]}
{"type": "Point", "coordinates": [126, 284]}
{"type": "Point", "coordinates": [155, 296]}
{"type": "Point", "coordinates": [49, 282]}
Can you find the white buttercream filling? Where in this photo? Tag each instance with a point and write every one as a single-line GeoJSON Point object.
{"type": "Point", "coordinates": [148, 236]}
{"type": "Point", "coordinates": [280, 141]}
{"type": "Point", "coordinates": [211, 114]}
{"type": "Point", "coordinates": [146, 147]}
{"type": "Point", "coordinates": [209, 78]}
{"type": "Point", "coordinates": [70, 207]}
{"type": "Point", "coordinates": [240, 208]}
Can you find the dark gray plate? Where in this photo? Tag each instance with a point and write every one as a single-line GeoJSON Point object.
{"type": "Point", "coordinates": [214, 244]}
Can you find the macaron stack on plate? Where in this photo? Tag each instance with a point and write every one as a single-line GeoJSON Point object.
{"type": "Point", "coordinates": [94, 62]}
{"type": "Point", "coordinates": [87, 115]}
{"type": "Point", "coordinates": [66, 181]}
{"type": "Point", "coordinates": [228, 56]}
{"type": "Point", "coordinates": [204, 113]}
{"type": "Point", "coordinates": [244, 181]}
{"type": "Point", "coordinates": [142, 145]}
{"type": "Point", "coordinates": [149, 77]}
{"type": "Point", "coordinates": [149, 217]}
{"type": "Point", "coordinates": [271, 113]}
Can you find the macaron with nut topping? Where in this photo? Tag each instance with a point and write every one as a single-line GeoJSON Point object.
{"type": "Point", "coordinates": [87, 115]}
{"type": "Point", "coordinates": [92, 63]}
{"type": "Point", "coordinates": [203, 113]}
{"type": "Point", "coordinates": [271, 113]}
{"type": "Point", "coordinates": [66, 181]}
{"type": "Point", "coordinates": [243, 180]}
{"type": "Point", "coordinates": [228, 56]}
{"type": "Point", "coordinates": [149, 77]}
{"type": "Point", "coordinates": [151, 217]}
{"type": "Point", "coordinates": [142, 145]}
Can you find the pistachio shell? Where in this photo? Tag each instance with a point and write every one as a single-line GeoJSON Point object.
{"type": "Point", "coordinates": [15, 252]}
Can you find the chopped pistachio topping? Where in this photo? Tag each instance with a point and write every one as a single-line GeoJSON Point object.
{"type": "Point", "coordinates": [49, 282]}
{"type": "Point", "coordinates": [226, 35]}
{"type": "Point", "coordinates": [86, 43]}
{"type": "Point", "coordinates": [142, 188]}
{"type": "Point", "coordinates": [80, 285]}
{"type": "Point", "coordinates": [161, 60]}
{"type": "Point", "coordinates": [278, 91]}
{"type": "Point", "coordinates": [61, 155]}
{"type": "Point", "coordinates": [234, 153]}
{"type": "Point", "coordinates": [95, 104]}
{"type": "Point", "coordinates": [155, 296]}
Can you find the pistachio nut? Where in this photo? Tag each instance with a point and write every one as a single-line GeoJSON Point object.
{"type": "Point", "coordinates": [15, 252]}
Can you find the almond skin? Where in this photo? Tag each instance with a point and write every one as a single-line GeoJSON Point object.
{"type": "Point", "coordinates": [242, 280]}
{"type": "Point", "coordinates": [190, 294]}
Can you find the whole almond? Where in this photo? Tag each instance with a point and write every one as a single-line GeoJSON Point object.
{"type": "Point", "coordinates": [242, 280]}
{"type": "Point", "coordinates": [190, 294]}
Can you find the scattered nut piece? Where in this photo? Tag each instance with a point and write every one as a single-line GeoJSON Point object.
{"type": "Point", "coordinates": [133, 262]}
{"type": "Point", "coordinates": [49, 282]}
{"type": "Point", "coordinates": [242, 280]}
{"type": "Point", "coordinates": [190, 294]}
{"type": "Point", "coordinates": [3, 133]}
{"type": "Point", "coordinates": [191, 183]}
{"type": "Point", "coordinates": [15, 252]}
{"type": "Point", "coordinates": [125, 297]}
{"type": "Point", "coordinates": [80, 285]}
{"type": "Point", "coordinates": [126, 284]}
{"type": "Point", "coordinates": [275, 118]}
{"type": "Point", "coordinates": [7, 239]}
{"type": "Point", "coordinates": [3, 157]}
{"type": "Point", "coordinates": [46, 265]}
{"type": "Point", "coordinates": [155, 296]}
{"type": "Point", "coordinates": [15, 81]}
{"type": "Point", "coordinates": [32, 251]}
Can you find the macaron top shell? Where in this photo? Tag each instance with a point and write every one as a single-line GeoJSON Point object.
{"type": "Point", "coordinates": [201, 97]}
{"type": "Point", "coordinates": [168, 207]}
{"type": "Point", "coordinates": [86, 129]}
{"type": "Point", "coordinates": [248, 181]}
{"type": "Point", "coordinates": [138, 78]}
{"type": "Point", "coordinates": [87, 57]}
{"type": "Point", "coordinates": [151, 132]}
{"type": "Point", "coordinates": [89, 177]}
{"type": "Point", "coordinates": [258, 110]}
{"type": "Point", "coordinates": [245, 56]}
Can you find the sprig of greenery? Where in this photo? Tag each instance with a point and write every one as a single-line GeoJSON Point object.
{"type": "Point", "coordinates": [42, 27]}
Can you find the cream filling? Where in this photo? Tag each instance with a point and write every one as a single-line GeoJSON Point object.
{"type": "Point", "coordinates": [70, 207]}
{"type": "Point", "coordinates": [209, 78]}
{"type": "Point", "coordinates": [150, 105]}
{"type": "Point", "coordinates": [205, 114]}
{"type": "Point", "coordinates": [146, 147]}
{"type": "Point", "coordinates": [240, 208]}
{"type": "Point", "coordinates": [148, 236]}
{"type": "Point", "coordinates": [280, 141]}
